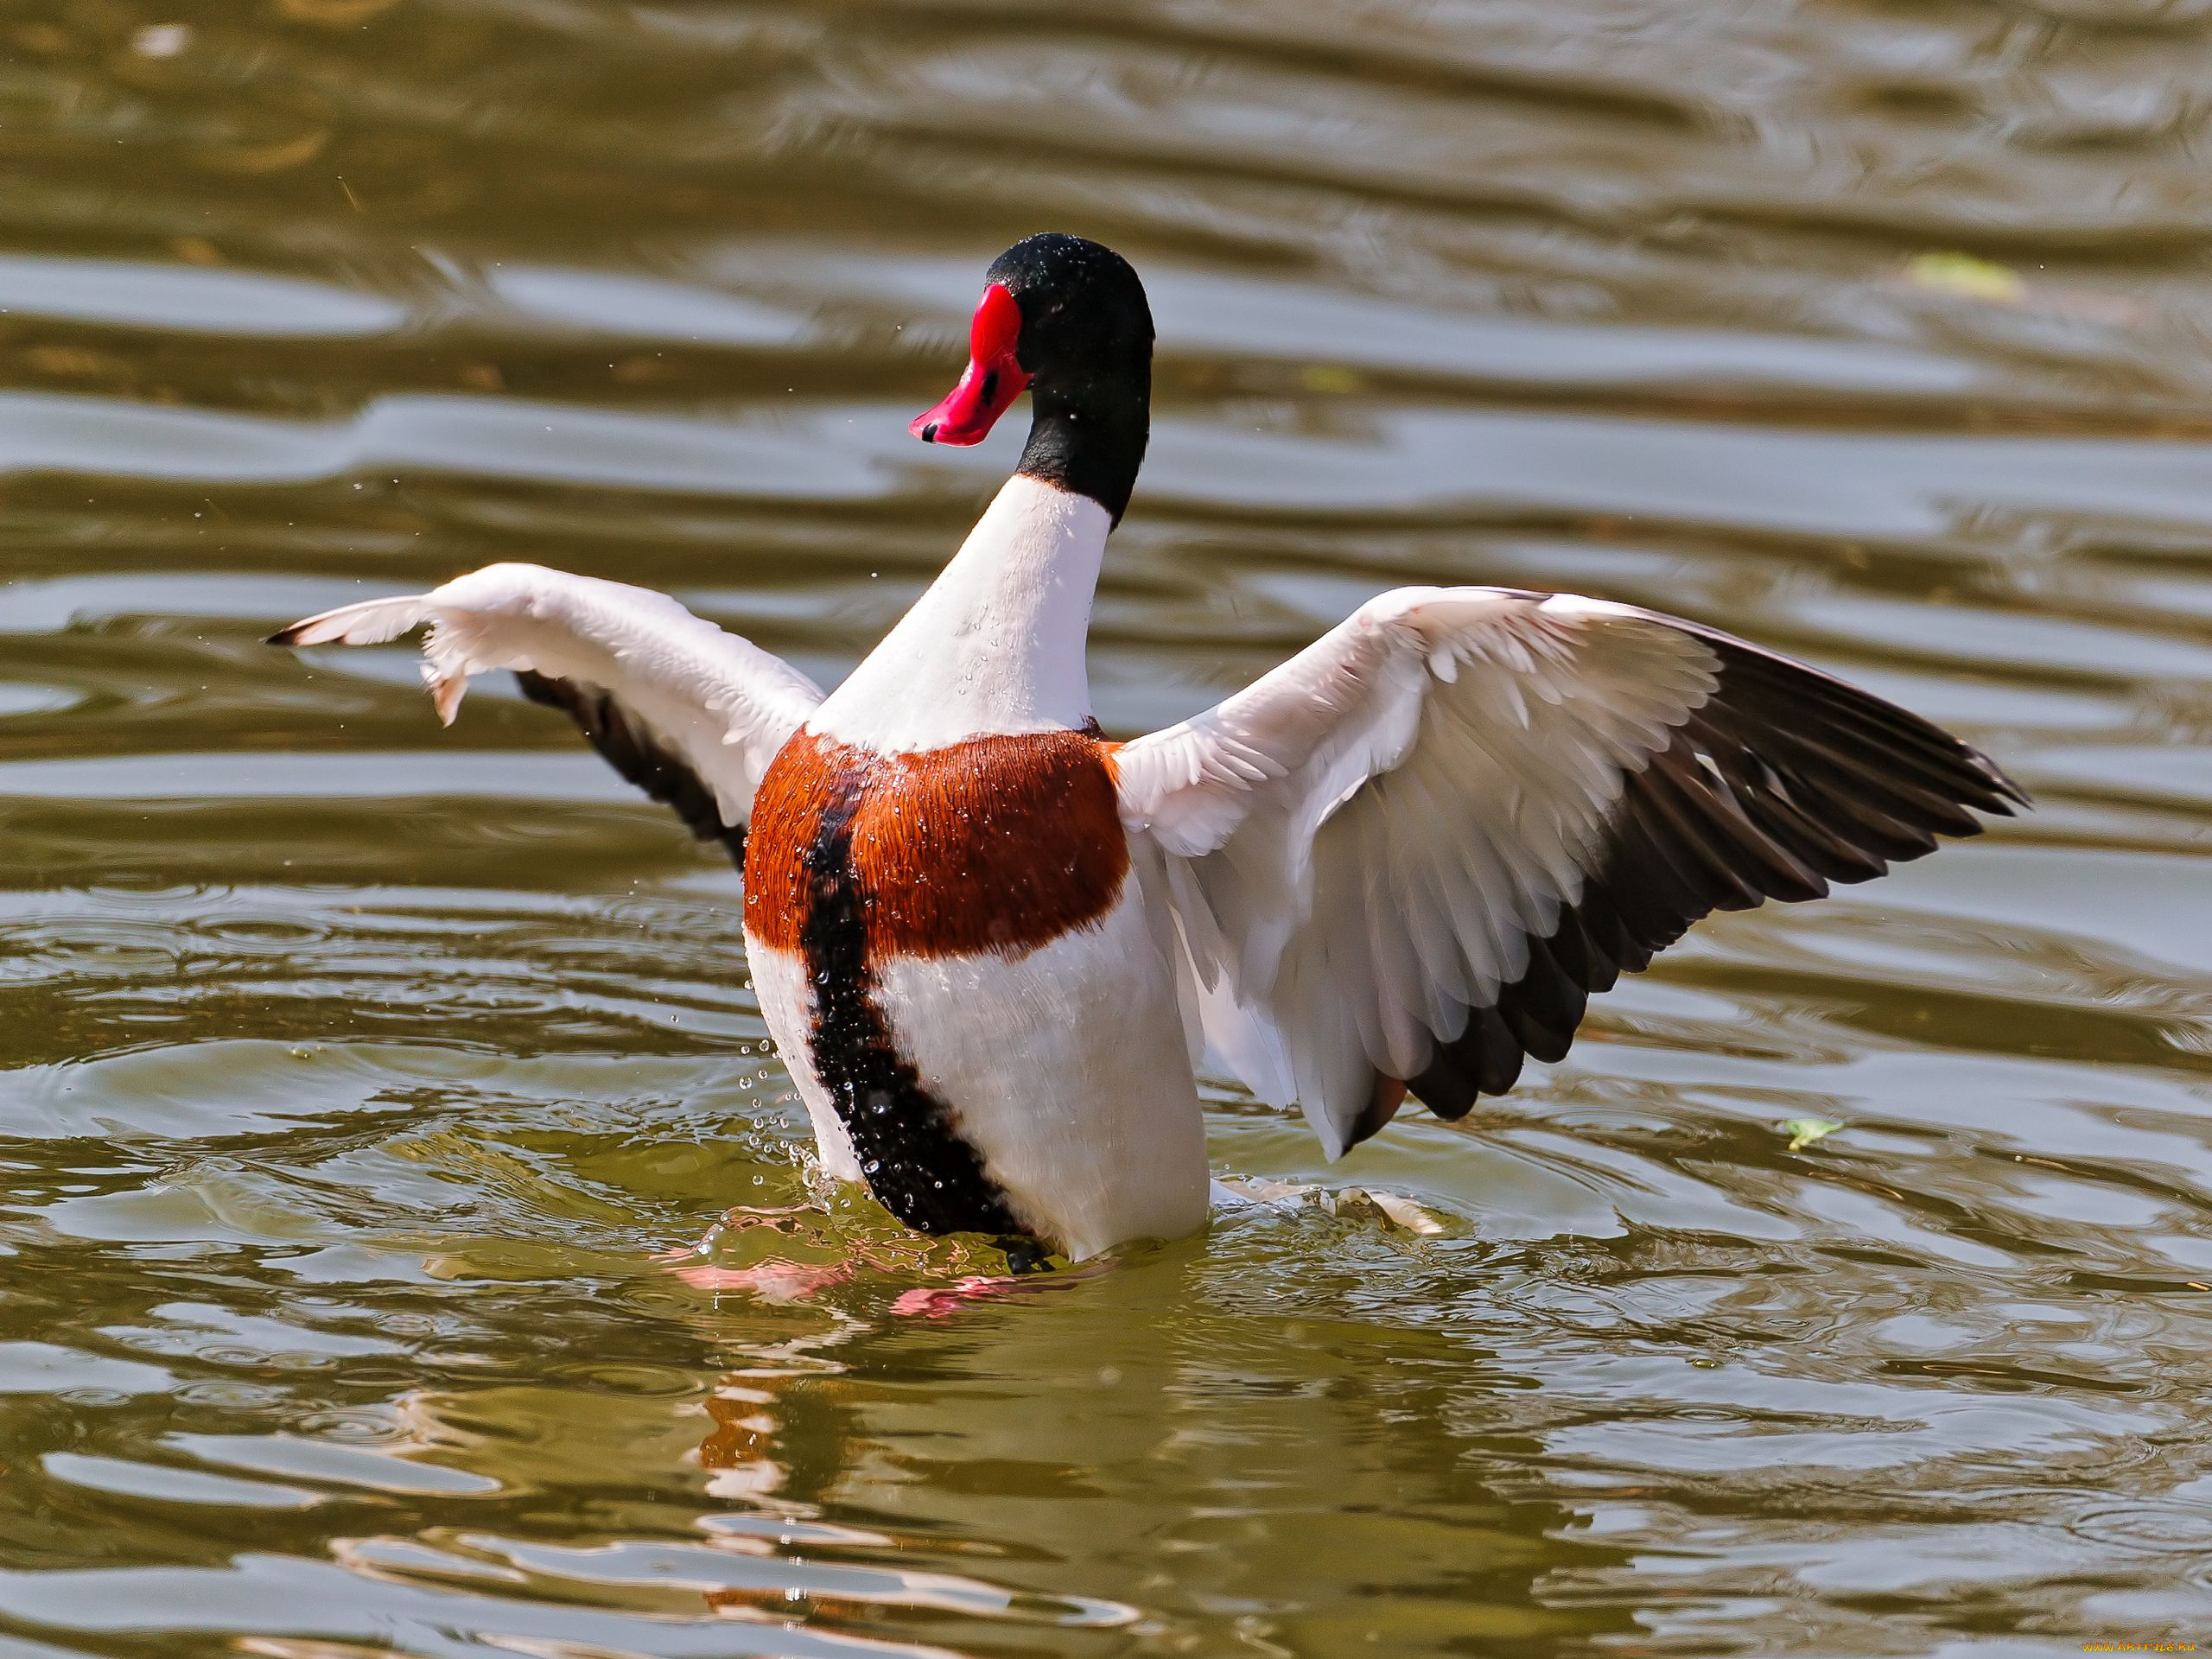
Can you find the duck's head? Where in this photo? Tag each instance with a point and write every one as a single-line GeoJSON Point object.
{"type": "Point", "coordinates": [1064, 318]}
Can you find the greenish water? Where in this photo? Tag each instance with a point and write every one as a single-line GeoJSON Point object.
{"type": "Point", "coordinates": [352, 1072]}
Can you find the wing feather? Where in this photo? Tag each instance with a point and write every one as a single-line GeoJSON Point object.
{"type": "Point", "coordinates": [688, 713]}
{"type": "Point", "coordinates": [1408, 856]}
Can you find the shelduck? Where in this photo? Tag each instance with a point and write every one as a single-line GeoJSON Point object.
{"type": "Point", "coordinates": [996, 948]}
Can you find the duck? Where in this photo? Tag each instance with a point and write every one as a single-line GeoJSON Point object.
{"type": "Point", "coordinates": [997, 951]}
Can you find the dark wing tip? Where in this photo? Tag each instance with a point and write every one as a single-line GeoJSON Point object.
{"type": "Point", "coordinates": [2010, 793]}
{"type": "Point", "coordinates": [1785, 781]}
{"type": "Point", "coordinates": [285, 636]}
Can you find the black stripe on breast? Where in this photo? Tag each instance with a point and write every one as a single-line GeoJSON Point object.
{"type": "Point", "coordinates": [631, 750]}
{"type": "Point", "coordinates": [912, 1156]}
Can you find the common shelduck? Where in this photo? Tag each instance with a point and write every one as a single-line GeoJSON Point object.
{"type": "Point", "coordinates": [995, 948]}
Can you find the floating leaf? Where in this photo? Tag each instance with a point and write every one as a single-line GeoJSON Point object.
{"type": "Point", "coordinates": [1964, 275]}
{"type": "Point", "coordinates": [1803, 1131]}
{"type": "Point", "coordinates": [1327, 377]}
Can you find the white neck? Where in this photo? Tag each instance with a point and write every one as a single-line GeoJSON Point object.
{"type": "Point", "coordinates": [997, 644]}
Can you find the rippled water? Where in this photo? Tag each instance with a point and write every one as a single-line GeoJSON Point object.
{"type": "Point", "coordinates": [353, 1072]}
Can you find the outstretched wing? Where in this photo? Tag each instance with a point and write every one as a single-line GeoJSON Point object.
{"type": "Point", "coordinates": [688, 713]}
{"type": "Point", "coordinates": [1406, 858]}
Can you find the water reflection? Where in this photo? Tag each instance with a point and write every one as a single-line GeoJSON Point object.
{"type": "Point", "coordinates": [354, 1074]}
